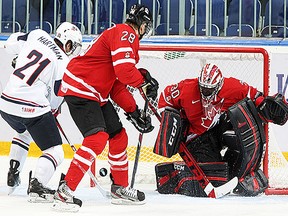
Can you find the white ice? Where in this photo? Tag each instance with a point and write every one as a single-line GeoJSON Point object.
{"type": "Point", "coordinates": [95, 204]}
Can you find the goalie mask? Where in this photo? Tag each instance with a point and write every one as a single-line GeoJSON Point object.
{"type": "Point", "coordinates": [68, 32]}
{"type": "Point", "coordinates": [210, 82]}
{"type": "Point", "coordinates": [141, 16]}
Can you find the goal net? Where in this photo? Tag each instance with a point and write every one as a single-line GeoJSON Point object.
{"type": "Point", "coordinates": [169, 65]}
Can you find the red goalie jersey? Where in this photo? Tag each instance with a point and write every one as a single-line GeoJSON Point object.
{"type": "Point", "coordinates": [186, 96]}
{"type": "Point", "coordinates": [105, 68]}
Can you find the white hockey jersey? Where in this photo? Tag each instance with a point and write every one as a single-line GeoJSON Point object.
{"type": "Point", "coordinates": [39, 68]}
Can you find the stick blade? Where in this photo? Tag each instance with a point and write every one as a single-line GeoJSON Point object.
{"type": "Point", "coordinates": [226, 188]}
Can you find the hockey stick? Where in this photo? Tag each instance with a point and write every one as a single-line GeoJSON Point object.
{"type": "Point", "coordinates": [209, 189]}
{"type": "Point", "coordinates": [137, 156]}
{"type": "Point", "coordinates": [104, 192]}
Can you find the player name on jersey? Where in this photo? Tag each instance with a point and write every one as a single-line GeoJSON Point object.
{"type": "Point", "coordinates": [49, 43]}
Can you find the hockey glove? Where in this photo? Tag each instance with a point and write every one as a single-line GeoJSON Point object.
{"type": "Point", "coordinates": [274, 109]}
{"type": "Point", "coordinates": [140, 120]}
{"type": "Point", "coordinates": [150, 86]}
{"type": "Point", "coordinates": [13, 63]}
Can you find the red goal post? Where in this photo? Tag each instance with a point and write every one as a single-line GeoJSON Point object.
{"type": "Point", "coordinates": [170, 64]}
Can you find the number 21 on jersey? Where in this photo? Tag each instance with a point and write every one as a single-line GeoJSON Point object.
{"type": "Point", "coordinates": [37, 60]}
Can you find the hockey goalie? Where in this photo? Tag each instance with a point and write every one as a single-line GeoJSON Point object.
{"type": "Point", "coordinates": [216, 124]}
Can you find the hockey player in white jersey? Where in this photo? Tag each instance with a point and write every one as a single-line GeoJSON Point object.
{"type": "Point", "coordinates": [30, 97]}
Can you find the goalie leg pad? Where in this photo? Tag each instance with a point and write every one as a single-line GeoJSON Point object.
{"type": "Point", "coordinates": [176, 178]}
{"type": "Point", "coordinates": [252, 184]}
{"type": "Point", "coordinates": [249, 140]}
{"type": "Point", "coordinates": [168, 138]}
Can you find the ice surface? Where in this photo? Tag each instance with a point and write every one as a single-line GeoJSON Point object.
{"type": "Point", "coordinates": [95, 204]}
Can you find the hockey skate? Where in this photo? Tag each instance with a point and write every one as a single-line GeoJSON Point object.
{"type": "Point", "coordinates": [13, 178]}
{"type": "Point", "coordinates": [126, 196]}
{"type": "Point", "coordinates": [64, 200]}
{"type": "Point", "coordinates": [38, 193]}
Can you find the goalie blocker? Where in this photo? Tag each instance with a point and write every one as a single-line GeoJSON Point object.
{"type": "Point", "coordinates": [169, 135]}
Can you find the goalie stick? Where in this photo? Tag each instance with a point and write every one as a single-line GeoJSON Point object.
{"type": "Point", "coordinates": [209, 189]}
{"type": "Point", "coordinates": [104, 192]}
{"type": "Point", "coordinates": [137, 156]}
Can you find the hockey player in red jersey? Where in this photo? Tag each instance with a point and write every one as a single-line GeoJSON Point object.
{"type": "Point", "coordinates": [30, 97]}
{"type": "Point", "coordinates": [101, 72]}
{"type": "Point", "coordinates": [202, 100]}
{"type": "Point", "coordinates": [216, 113]}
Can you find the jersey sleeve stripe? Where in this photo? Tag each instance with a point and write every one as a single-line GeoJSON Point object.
{"type": "Point", "coordinates": [163, 94]}
{"type": "Point", "coordinates": [122, 49]}
{"type": "Point", "coordinates": [249, 93]}
{"type": "Point", "coordinates": [123, 61]}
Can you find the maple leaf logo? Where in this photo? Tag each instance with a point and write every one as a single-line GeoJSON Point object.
{"type": "Point", "coordinates": [212, 115]}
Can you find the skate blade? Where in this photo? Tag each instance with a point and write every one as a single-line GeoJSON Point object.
{"type": "Point", "coordinates": [11, 189]}
{"type": "Point", "coordinates": [119, 201]}
{"type": "Point", "coordinates": [64, 207]}
{"type": "Point", "coordinates": [45, 198]}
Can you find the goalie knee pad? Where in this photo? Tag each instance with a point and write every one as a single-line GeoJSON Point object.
{"type": "Point", "coordinates": [252, 184]}
{"type": "Point", "coordinates": [176, 178]}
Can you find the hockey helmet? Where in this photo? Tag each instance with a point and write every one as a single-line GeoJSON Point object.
{"type": "Point", "coordinates": [138, 15]}
{"type": "Point", "coordinates": [69, 32]}
{"type": "Point", "coordinates": [210, 81]}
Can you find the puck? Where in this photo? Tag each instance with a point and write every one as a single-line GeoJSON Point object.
{"type": "Point", "coordinates": [103, 172]}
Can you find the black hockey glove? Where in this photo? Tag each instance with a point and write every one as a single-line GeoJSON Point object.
{"type": "Point", "coordinates": [140, 120]}
{"type": "Point", "coordinates": [150, 86]}
{"type": "Point", "coordinates": [13, 63]}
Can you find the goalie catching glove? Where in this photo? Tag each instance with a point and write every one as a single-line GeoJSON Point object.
{"type": "Point", "coordinates": [274, 109]}
{"type": "Point", "coordinates": [140, 120]}
{"type": "Point", "coordinates": [150, 86]}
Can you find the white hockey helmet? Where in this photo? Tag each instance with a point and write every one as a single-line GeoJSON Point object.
{"type": "Point", "coordinates": [210, 81]}
{"type": "Point", "coordinates": [69, 32]}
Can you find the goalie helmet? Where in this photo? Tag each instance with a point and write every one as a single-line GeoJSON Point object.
{"type": "Point", "coordinates": [69, 32]}
{"type": "Point", "coordinates": [210, 81]}
{"type": "Point", "coordinates": [138, 15]}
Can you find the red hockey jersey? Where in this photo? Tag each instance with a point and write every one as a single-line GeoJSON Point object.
{"type": "Point", "coordinates": [111, 56]}
{"type": "Point", "coordinates": [186, 96]}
